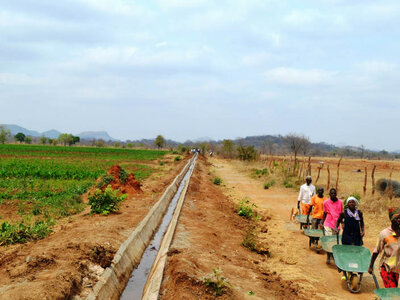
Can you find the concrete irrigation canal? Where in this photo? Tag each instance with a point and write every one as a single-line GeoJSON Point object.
{"type": "Point", "coordinates": [145, 250]}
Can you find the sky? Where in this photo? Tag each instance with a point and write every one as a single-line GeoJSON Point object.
{"type": "Point", "coordinates": [328, 69]}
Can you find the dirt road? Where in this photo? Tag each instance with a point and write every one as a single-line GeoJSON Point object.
{"type": "Point", "coordinates": [290, 256]}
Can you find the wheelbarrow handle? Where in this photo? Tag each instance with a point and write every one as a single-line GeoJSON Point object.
{"type": "Point", "coordinates": [375, 280]}
{"type": "Point", "coordinates": [337, 236]}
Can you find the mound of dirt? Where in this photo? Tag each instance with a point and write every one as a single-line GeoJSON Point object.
{"type": "Point", "coordinates": [123, 181]}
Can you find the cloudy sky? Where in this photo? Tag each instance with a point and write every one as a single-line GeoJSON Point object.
{"type": "Point", "coordinates": [328, 69]}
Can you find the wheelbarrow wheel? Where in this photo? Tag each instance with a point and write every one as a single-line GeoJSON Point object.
{"type": "Point", "coordinates": [353, 282]}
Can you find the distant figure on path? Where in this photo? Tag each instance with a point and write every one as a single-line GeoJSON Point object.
{"type": "Point", "coordinates": [332, 209]}
{"type": "Point", "coordinates": [353, 230]}
{"type": "Point", "coordinates": [388, 244]}
{"type": "Point", "coordinates": [307, 190]}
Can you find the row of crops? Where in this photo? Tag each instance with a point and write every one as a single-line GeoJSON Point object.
{"type": "Point", "coordinates": [43, 183]}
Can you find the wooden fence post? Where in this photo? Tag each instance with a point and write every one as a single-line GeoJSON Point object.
{"type": "Point", "coordinates": [337, 177]}
{"type": "Point", "coordinates": [365, 182]}
{"type": "Point", "coordinates": [391, 184]}
{"type": "Point", "coordinates": [319, 170]}
{"type": "Point", "coordinates": [329, 178]}
{"type": "Point", "coordinates": [373, 179]}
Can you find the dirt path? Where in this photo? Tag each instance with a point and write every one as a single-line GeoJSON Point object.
{"type": "Point", "coordinates": [290, 256]}
{"type": "Point", "coordinates": [208, 236]}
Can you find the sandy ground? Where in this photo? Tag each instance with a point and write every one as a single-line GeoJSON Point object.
{"type": "Point", "coordinates": [70, 260]}
{"type": "Point", "coordinates": [209, 235]}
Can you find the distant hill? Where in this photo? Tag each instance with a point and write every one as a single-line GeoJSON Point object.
{"type": "Point", "coordinates": [90, 135]}
{"type": "Point", "coordinates": [53, 134]}
{"type": "Point", "coordinates": [16, 128]}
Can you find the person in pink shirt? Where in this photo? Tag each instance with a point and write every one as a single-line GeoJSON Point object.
{"type": "Point", "coordinates": [332, 209]}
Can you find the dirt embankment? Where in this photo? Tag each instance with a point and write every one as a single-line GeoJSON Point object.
{"type": "Point", "coordinates": [70, 260]}
{"type": "Point", "coordinates": [209, 235]}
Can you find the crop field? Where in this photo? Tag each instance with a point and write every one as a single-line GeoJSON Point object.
{"type": "Point", "coordinates": [39, 184]}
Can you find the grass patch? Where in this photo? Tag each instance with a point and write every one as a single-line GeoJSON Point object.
{"type": "Point", "coordinates": [22, 232]}
{"type": "Point", "coordinates": [217, 180]}
{"type": "Point", "coordinates": [268, 184]}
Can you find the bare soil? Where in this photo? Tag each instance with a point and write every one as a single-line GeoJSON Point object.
{"type": "Point", "coordinates": [70, 260]}
{"type": "Point", "coordinates": [209, 235]}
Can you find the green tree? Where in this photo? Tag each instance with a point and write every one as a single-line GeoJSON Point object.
{"type": "Point", "coordinates": [19, 137]}
{"type": "Point", "coordinates": [76, 139]}
{"type": "Point", "coordinates": [4, 134]}
{"type": "Point", "coordinates": [247, 153]}
{"type": "Point", "coordinates": [43, 139]}
{"type": "Point", "coordinates": [28, 140]}
{"type": "Point", "coordinates": [65, 138]}
{"type": "Point", "coordinates": [228, 148]}
{"type": "Point", "coordinates": [160, 141]}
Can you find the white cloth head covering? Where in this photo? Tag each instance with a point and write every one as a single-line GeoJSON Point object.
{"type": "Point", "coordinates": [352, 198]}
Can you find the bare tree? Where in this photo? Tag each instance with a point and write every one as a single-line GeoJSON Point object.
{"type": "Point", "coordinates": [306, 145]}
{"type": "Point", "coordinates": [296, 143]}
{"type": "Point", "coordinates": [362, 148]}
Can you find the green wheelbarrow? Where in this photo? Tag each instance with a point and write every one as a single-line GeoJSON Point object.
{"type": "Point", "coordinates": [302, 219]}
{"type": "Point", "coordinates": [328, 241]}
{"type": "Point", "coordinates": [353, 261]}
{"type": "Point", "coordinates": [386, 294]}
{"type": "Point", "coordinates": [314, 235]}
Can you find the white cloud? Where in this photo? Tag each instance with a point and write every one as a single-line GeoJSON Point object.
{"type": "Point", "coordinates": [291, 76]}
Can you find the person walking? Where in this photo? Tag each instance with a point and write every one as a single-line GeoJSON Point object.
{"type": "Point", "coordinates": [389, 245]}
{"type": "Point", "coordinates": [307, 190]}
{"type": "Point", "coordinates": [332, 209]}
{"type": "Point", "coordinates": [353, 223]}
{"type": "Point", "coordinates": [317, 208]}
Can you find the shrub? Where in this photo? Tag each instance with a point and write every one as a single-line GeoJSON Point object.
{"type": "Point", "coordinates": [217, 181]}
{"type": "Point", "coordinates": [23, 231]}
{"type": "Point", "coordinates": [123, 176]}
{"type": "Point", "coordinates": [268, 184]}
{"type": "Point", "coordinates": [216, 282]}
{"type": "Point", "coordinates": [175, 152]}
{"type": "Point", "coordinates": [177, 158]}
{"type": "Point", "coordinates": [161, 163]}
{"type": "Point", "coordinates": [105, 180]}
{"type": "Point", "coordinates": [245, 209]}
{"type": "Point", "coordinates": [105, 202]}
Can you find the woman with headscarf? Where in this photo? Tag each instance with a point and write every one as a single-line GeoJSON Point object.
{"type": "Point", "coordinates": [353, 223]}
{"type": "Point", "coordinates": [389, 245]}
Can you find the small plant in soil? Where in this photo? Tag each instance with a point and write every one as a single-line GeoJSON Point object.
{"type": "Point", "coordinates": [250, 239]}
{"type": "Point", "coordinates": [217, 181]}
{"type": "Point", "coordinates": [105, 202]}
{"type": "Point", "coordinates": [216, 282]}
{"type": "Point", "coordinates": [246, 209]}
{"type": "Point", "coordinates": [177, 158]}
{"type": "Point", "coordinates": [268, 184]}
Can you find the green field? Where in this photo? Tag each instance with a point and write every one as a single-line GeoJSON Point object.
{"type": "Point", "coordinates": [46, 182]}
